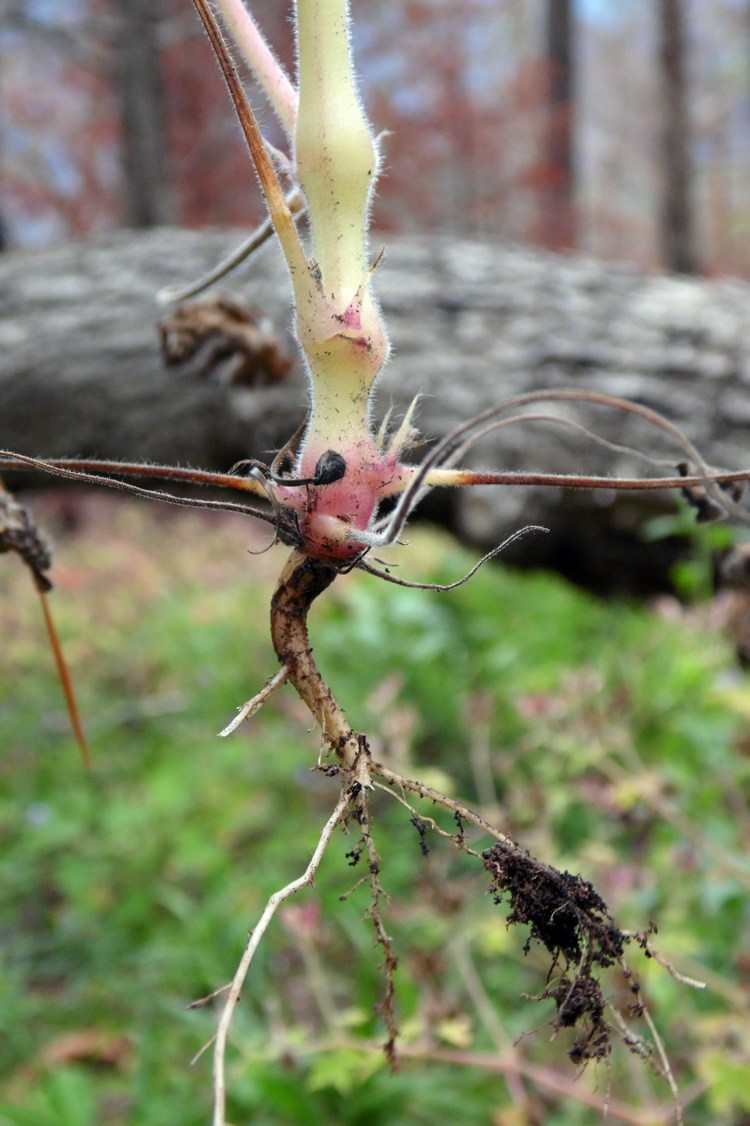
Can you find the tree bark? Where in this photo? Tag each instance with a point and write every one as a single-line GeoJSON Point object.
{"type": "Point", "coordinates": [678, 236]}
{"type": "Point", "coordinates": [81, 374]}
{"type": "Point", "coordinates": [148, 199]}
{"type": "Point", "coordinates": [558, 219]}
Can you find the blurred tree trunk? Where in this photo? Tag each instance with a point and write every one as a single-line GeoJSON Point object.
{"type": "Point", "coordinates": [677, 227]}
{"type": "Point", "coordinates": [3, 237]}
{"type": "Point", "coordinates": [558, 217]}
{"type": "Point", "coordinates": [148, 197]}
{"type": "Point", "coordinates": [471, 321]}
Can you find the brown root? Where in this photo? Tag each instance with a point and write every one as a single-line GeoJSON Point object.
{"type": "Point", "coordinates": [570, 919]}
{"type": "Point", "coordinates": [301, 581]}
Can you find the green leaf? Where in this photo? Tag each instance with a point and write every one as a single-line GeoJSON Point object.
{"type": "Point", "coordinates": [65, 1098]}
{"type": "Point", "coordinates": [344, 1069]}
{"type": "Point", "coordinates": [726, 1078]}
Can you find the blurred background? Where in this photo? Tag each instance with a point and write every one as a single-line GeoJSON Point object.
{"type": "Point", "coordinates": [617, 127]}
{"type": "Point", "coordinates": [609, 737]}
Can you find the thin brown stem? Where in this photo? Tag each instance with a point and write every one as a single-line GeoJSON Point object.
{"type": "Point", "coordinates": [9, 460]}
{"type": "Point", "coordinates": [428, 474]}
{"type": "Point", "coordinates": [455, 807]}
{"type": "Point", "coordinates": [281, 216]}
{"type": "Point", "coordinates": [173, 295]}
{"type": "Point", "coordinates": [92, 470]}
{"type": "Point", "coordinates": [66, 679]}
{"type": "Point", "coordinates": [78, 466]}
{"type": "Point", "coordinates": [19, 534]}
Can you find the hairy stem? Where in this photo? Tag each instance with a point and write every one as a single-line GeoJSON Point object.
{"type": "Point", "coordinates": [266, 68]}
{"type": "Point", "coordinates": [278, 208]}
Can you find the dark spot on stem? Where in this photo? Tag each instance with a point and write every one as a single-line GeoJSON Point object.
{"type": "Point", "coordinates": [330, 467]}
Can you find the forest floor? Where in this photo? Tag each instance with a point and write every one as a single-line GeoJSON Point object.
{"type": "Point", "coordinates": [610, 739]}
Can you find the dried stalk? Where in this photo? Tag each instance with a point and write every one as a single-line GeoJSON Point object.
{"type": "Point", "coordinates": [272, 906]}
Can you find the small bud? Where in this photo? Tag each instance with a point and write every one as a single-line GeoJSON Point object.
{"type": "Point", "coordinates": [330, 467]}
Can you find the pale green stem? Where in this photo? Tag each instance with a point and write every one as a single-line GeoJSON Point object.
{"type": "Point", "coordinates": [337, 164]}
{"type": "Point", "coordinates": [334, 150]}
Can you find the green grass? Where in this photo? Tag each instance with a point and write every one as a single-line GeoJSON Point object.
{"type": "Point", "coordinates": [607, 739]}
